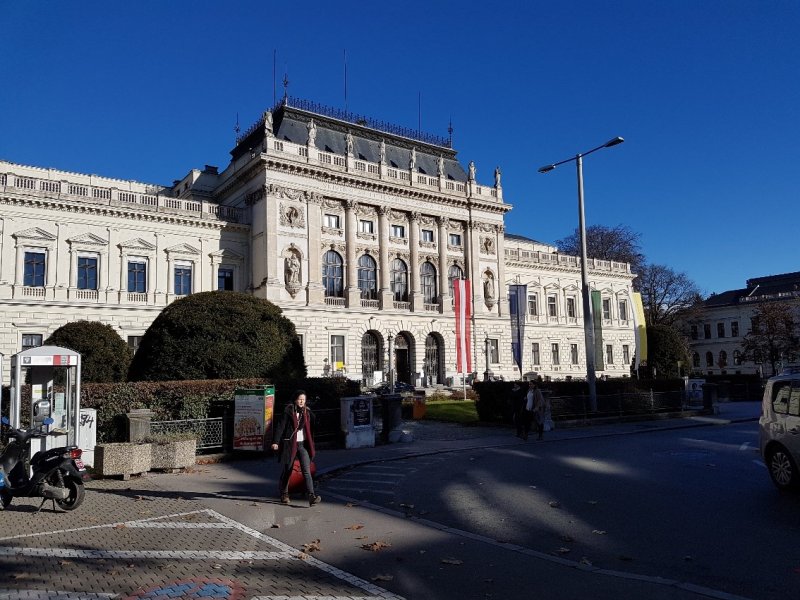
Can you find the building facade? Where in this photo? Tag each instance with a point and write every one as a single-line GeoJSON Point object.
{"type": "Point", "coordinates": [356, 229]}
{"type": "Point", "coordinates": [716, 329]}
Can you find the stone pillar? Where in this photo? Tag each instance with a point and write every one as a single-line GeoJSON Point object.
{"type": "Point", "coordinates": [314, 289]}
{"type": "Point", "coordinates": [352, 292]}
{"type": "Point", "coordinates": [274, 262]}
{"type": "Point", "coordinates": [502, 304]}
{"type": "Point", "coordinates": [384, 268]}
{"type": "Point", "coordinates": [413, 243]}
{"type": "Point", "coordinates": [73, 267]}
{"type": "Point", "coordinates": [444, 289]}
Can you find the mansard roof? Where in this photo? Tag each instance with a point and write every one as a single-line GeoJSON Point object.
{"type": "Point", "coordinates": [290, 123]}
{"type": "Point", "coordinates": [770, 287]}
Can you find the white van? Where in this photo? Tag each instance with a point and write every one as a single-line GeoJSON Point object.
{"type": "Point", "coordinates": [779, 428]}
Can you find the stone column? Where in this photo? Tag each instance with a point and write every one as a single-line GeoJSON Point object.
{"type": "Point", "coordinates": [352, 292]}
{"type": "Point", "coordinates": [502, 304]}
{"type": "Point", "coordinates": [472, 239]}
{"type": "Point", "coordinates": [314, 289]}
{"type": "Point", "coordinates": [444, 289]}
{"type": "Point", "coordinates": [384, 267]}
{"type": "Point", "coordinates": [73, 267]}
{"type": "Point", "coordinates": [413, 243]}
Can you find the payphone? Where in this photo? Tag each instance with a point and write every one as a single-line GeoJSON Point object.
{"type": "Point", "coordinates": [54, 374]}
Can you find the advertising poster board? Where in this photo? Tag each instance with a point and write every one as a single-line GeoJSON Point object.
{"type": "Point", "coordinates": [252, 418]}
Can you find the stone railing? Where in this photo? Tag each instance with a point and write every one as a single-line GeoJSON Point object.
{"type": "Point", "coordinates": [109, 194]}
{"type": "Point", "coordinates": [564, 260]}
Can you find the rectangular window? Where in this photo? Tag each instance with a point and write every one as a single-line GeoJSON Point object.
{"type": "Point", "coordinates": [720, 330]}
{"type": "Point", "coordinates": [535, 353]}
{"type": "Point", "coordinates": [454, 239]}
{"type": "Point", "coordinates": [225, 279]}
{"type": "Point", "coordinates": [331, 221]}
{"type": "Point", "coordinates": [554, 354]}
{"type": "Point", "coordinates": [734, 328]}
{"type": "Point", "coordinates": [366, 226]}
{"type": "Point", "coordinates": [533, 305]}
{"type": "Point", "coordinates": [31, 340]}
{"type": "Point", "coordinates": [427, 235]}
{"type": "Point", "coordinates": [398, 231]}
{"type": "Point", "coordinates": [609, 354]}
{"type": "Point", "coordinates": [626, 354]}
{"type": "Point", "coordinates": [551, 306]}
{"type": "Point", "coordinates": [337, 352]}
{"type": "Point", "coordinates": [606, 309]}
{"type": "Point", "coordinates": [573, 353]}
{"type": "Point", "coordinates": [623, 310]}
{"type": "Point", "coordinates": [87, 273]}
{"type": "Point", "coordinates": [134, 341]}
{"type": "Point", "coordinates": [707, 331]}
{"type": "Point", "coordinates": [137, 276]}
{"type": "Point", "coordinates": [571, 307]}
{"type": "Point", "coordinates": [183, 280]}
{"type": "Point", "coordinates": [34, 269]}
{"type": "Point", "coordinates": [494, 353]}
{"type": "Point", "coordinates": [694, 332]}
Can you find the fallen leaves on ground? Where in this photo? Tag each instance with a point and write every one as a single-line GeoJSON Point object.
{"type": "Point", "coordinates": [599, 532]}
{"type": "Point", "coordinates": [138, 498]}
{"type": "Point", "coordinates": [382, 577]}
{"type": "Point", "coordinates": [376, 546]}
{"type": "Point", "coordinates": [554, 504]}
{"type": "Point", "coordinates": [563, 550]}
{"type": "Point", "coordinates": [452, 561]}
{"type": "Point", "coordinates": [120, 526]}
{"type": "Point", "coordinates": [312, 547]}
{"type": "Point", "coordinates": [355, 526]}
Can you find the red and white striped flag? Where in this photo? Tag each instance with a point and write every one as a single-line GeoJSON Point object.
{"type": "Point", "coordinates": [463, 304]}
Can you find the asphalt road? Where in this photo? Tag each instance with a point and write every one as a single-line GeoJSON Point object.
{"type": "Point", "coordinates": [693, 505]}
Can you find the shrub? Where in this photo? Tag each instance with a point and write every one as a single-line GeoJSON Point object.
{"type": "Point", "coordinates": [105, 357]}
{"type": "Point", "coordinates": [219, 335]}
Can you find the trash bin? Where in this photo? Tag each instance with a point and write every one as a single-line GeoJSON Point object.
{"type": "Point", "coordinates": [419, 405]}
{"type": "Point", "coordinates": [709, 397]}
{"type": "Point", "coordinates": [391, 407]}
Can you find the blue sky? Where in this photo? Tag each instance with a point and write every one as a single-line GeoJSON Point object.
{"type": "Point", "coordinates": [705, 93]}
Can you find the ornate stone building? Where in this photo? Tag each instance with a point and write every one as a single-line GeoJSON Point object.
{"type": "Point", "coordinates": [355, 229]}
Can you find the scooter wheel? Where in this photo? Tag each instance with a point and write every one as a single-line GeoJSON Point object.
{"type": "Point", "coordinates": [5, 499]}
{"type": "Point", "coordinates": [76, 493]}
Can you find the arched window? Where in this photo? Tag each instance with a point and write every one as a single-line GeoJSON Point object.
{"type": "Point", "coordinates": [332, 274]}
{"type": "Point", "coordinates": [696, 360]}
{"type": "Point", "coordinates": [723, 358]}
{"type": "Point", "coordinates": [454, 273]}
{"type": "Point", "coordinates": [428, 281]}
{"type": "Point", "coordinates": [399, 281]}
{"type": "Point", "coordinates": [737, 358]}
{"type": "Point", "coordinates": [709, 359]}
{"type": "Point", "coordinates": [367, 282]}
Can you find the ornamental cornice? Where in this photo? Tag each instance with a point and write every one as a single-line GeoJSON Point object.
{"type": "Point", "coordinates": [106, 211]}
{"type": "Point", "coordinates": [556, 268]}
{"type": "Point", "coordinates": [383, 186]}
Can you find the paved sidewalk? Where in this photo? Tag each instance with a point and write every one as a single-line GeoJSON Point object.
{"type": "Point", "coordinates": [218, 532]}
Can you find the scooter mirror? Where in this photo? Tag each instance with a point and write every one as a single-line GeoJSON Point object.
{"type": "Point", "coordinates": [49, 421]}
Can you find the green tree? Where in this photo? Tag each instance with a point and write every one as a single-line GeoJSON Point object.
{"type": "Point", "coordinates": [773, 336]}
{"type": "Point", "coordinates": [219, 335]}
{"type": "Point", "coordinates": [105, 357]}
{"type": "Point", "coordinates": [665, 347]}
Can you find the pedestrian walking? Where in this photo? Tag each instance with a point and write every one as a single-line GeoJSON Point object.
{"type": "Point", "coordinates": [294, 438]}
{"type": "Point", "coordinates": [522, 420]}
{"type": "Point", "coordinates": [536, 404]}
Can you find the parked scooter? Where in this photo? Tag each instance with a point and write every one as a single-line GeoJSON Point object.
{"type": "Point", "coordinates": [57, 473]}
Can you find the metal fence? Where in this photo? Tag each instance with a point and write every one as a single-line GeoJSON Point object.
{"type": "Point", "coordinates": [616, 405]}
{"type": "Point", "coordinates": [209, 432]}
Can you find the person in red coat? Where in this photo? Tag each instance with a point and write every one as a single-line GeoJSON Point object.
{"type": "Point", "coordinates": [294, 439]}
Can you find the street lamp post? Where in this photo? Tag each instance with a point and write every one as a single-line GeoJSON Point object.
{"type": "Point", "coordinates": [588, 323]}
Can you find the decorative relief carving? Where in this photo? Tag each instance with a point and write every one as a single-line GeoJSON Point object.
{"type": "Point", "coordinates": [284, 192]}
{"type": "Point", "coordinates": [397, 215]}
{"type": "Point", "coordinates": [487, 245]}
{"type": "Point", "coordinates": [292, 216]}
{"type": "Point", "coordinates": [443, 221]}
{"type": "Point", "coordinates": [351, 205]}
{"type": "Point", "coordinates": [331, 203]}
{"type": "Point", "coordinates": [365, 210]}
{"type": "Point", "coordinates": [255, 196]}
{"type": "Point", "coordinates": [366, 236]}
{"type": "Point", "coordinates": [414, 216]}
{"type": "Point", "coordinates": [431, 245]}
{"type": "Point", "coordinates": [425, 220]}
{"type": "Point", "coordinates": [384, 210]}
{"type": "Point", "coordinates": [456, 226]}
{"type": "Point", "coordinates": [329, 245]}
{"type": "Point", "coordinates": [434, 260]}
{"type": "Point", "coordinates": [452, 248]}
{"type": "Point", "coordinates": [314, 198]}
{"type": "Point", "coordinates": [397, 240]}
{"type": "Point", "coordinates": [332, 231]}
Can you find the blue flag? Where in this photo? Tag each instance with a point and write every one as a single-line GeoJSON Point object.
{"type": "Point", "coordinates": [517, 305]}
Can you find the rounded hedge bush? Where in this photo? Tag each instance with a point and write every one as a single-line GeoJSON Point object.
{"type": "Point", "coordinates": [219, 335]}
{"type": "Point", "coordinates": [105, 357]}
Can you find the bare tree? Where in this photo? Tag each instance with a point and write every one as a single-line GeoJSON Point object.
{"type": "Point", "coordinates": [620, 244]}
{"type": "Point", "coordinates": [774, 335]}
{"type": "Point", "coordinates": [665, 294]}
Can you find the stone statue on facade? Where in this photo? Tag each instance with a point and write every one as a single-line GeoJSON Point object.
{"type": "Point", "coordinates": [383, 152]}
{"type": "Point", "coordinates": [472, 170]}
{"type": "Point", "coordinates": [268, 122]}
{"type": "Point", "coordinates": [312, 132]}
{"type": "Point", "coordinates": [349, 143]}
{"type": "Point", "coordinates": [292, 274]}
{"type": "Point", "coordinates": [488, 288]}
{"type": "Point", "coordinates": [412, 162]}
{"type": "Point", "coordinates": [440, 166]}
{"type": "Point", "coordinates": [497, 175]}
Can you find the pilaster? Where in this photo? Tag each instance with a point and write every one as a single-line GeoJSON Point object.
{"type": "Point", "coordinates": [413, 242]}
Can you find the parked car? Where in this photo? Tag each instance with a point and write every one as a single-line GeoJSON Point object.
{"type": "Point", "coordinates": [779, 428]}
{"type": "Point", "coordinates": [399, 388]}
